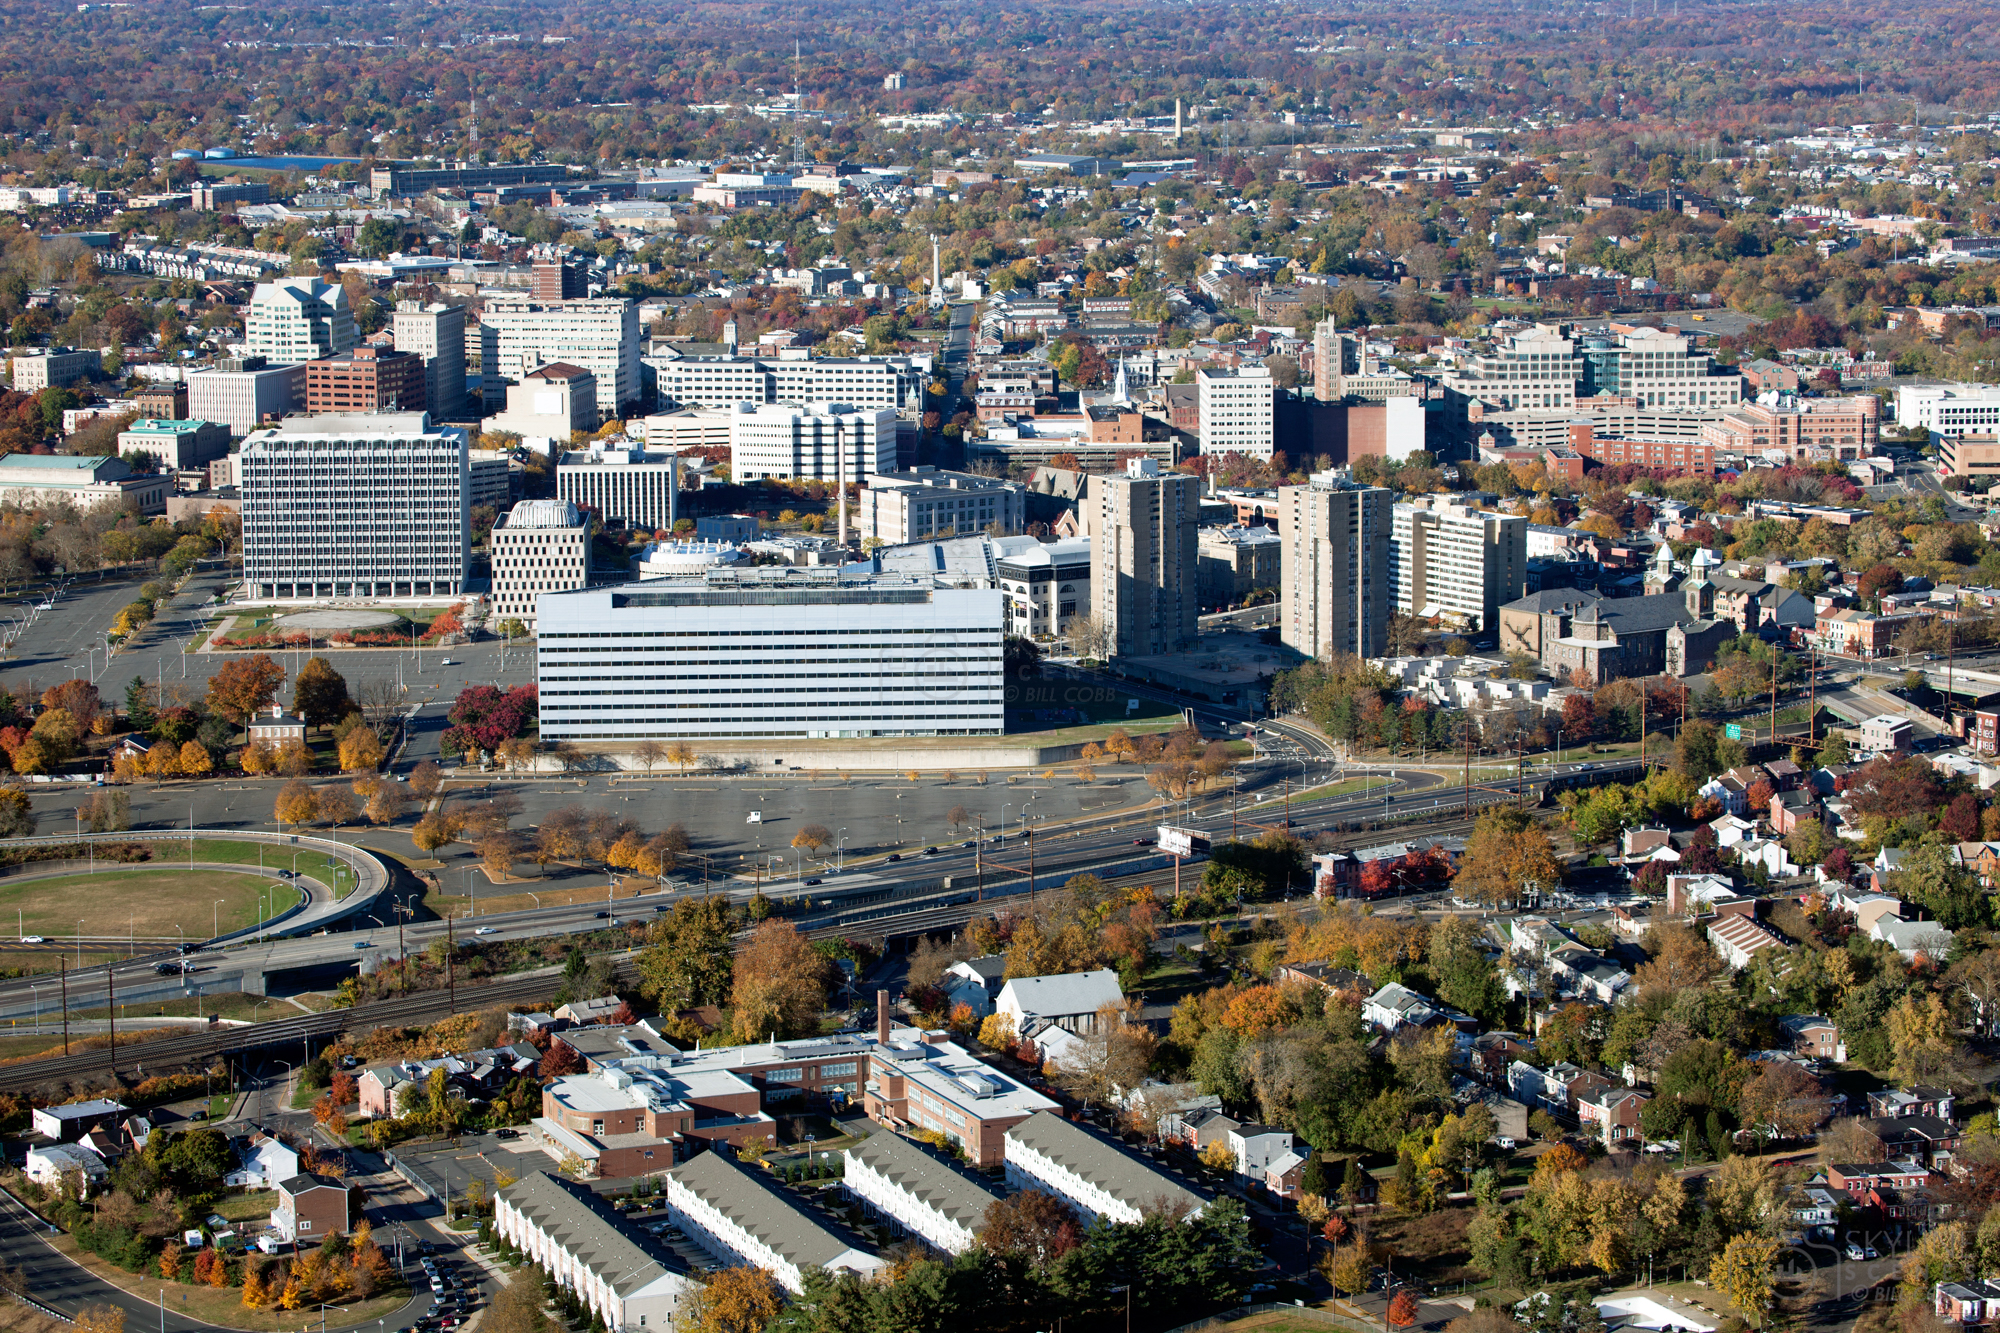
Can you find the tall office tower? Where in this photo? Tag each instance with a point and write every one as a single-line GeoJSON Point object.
{"type": "Point", "coordinates": [538, 546]}
{"type": "Point", "coordinates": [1237, 409]}
{"type": "Point", "coordinates": [601, 335]}
{"type": "Point", "coordinates": [437, 334]}
{"type": "Point", "coordinates": [354, 506]}
{"type": "Point", "coordinates": [1334, 575]}
{"type": "Point", "coordinates": [1453, 561]}
{"type": "Point", "coordinates": [299, 319]}
{"type": "Point", "coordinates": [1143, 558]}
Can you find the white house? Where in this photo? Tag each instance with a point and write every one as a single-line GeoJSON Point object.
{"type": "Point", "coordinates": [587, 1247]}
{"type": "Point", "coordinates": [1726, 792]}
{"type": "Point", "coordinates": [1732, 828]}
{"type": "Point", "coordinates": [1396, 1005]}
{"type": "Point", "coordinates": [1768, 853]}
{"type": "Point", "coordinates": [976, 982]}
{"type": "Point", "coordinates": [1093, 1174]}
{"type": "Point", "coordinates": [1739, 939]}
{"type": "Point", "coordinates": [48, 1163]}
{"type": "Point", "coordinates": [1068, 1000]}
{"type": "Point", "coordinates": [1912, 939]}
{"type": "Point", "coordinates": [262, 1163]}
{"type": "Point", "coordinates": [73, 1120]}
{"type": "Point", "coordinates": [743, 1217]}
{"type": "Point", "coordinates": [921, 1193]}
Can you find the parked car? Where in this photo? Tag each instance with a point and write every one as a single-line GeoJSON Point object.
{"type": "Point", "coordinates": [1859, 1252]}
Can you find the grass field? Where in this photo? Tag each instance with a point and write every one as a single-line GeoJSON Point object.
{"type": "Point", "coordinates": [147, 901]}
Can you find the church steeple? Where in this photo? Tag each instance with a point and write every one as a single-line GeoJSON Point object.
{"type": "Point", "coordinates": [1700, 595]}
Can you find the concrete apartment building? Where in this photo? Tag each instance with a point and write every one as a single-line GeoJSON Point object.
{"type": "Point", "coordinates": [244, 393]}
{"type": "Point", "coordinates": [588, 1248]}
{"type": "Point", "coordinates": [1237, 410]}
{"type": "Point", "coordinates": [367, 379]}
{"type": "Point", "coordinates": [1091, 1172]}
{"type": "Point", "coordinates": [1143, 558]}
{"type": "Point", "coordinates": [181, 446]}
{"type": "Point", "coordinates": [926, 502]}
{"type": "Point", "coordinates": [918, 1191]}
{"type": "Point", "coordinates": [57, 368]}
{"type": "Point", "coordinates": [600, 334]}
{"type": "Point", "coordinates": [436, 333]}
{"type": "Point", "coordinates": [1949, 409]}
{"type": "Point", "coordinates": [365, 506]}
{"type": "Point", "coordinates": [1334, 593]}
{"type": "Point", "coordinates": [1233, 562]}
{"type": "Point", "coordinates": [1452, 562]}
{"type": "Point", "coordinates": [551, 403]}
{"type": "Point", "coordinates": [806, 440]}
{"type": "Point", "coordinates": [744, 1217]}
{"type": "Point", "coordinates": [771, 652]}
{"type": "Point", "coordinates": [634, 488]}
{"type": "Point", "coordinates": [1800, 429]}
{"type": "Point", "coordinates": [538, 546]}
{"type": "Point", "coordinates": [1047, 584]}
{"type": "Point", "coordinates": [88, 481]}
{"type": "Point", "coordinates": [298, 319]}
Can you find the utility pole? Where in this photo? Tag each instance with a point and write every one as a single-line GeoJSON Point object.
{"type": "Point", "coordinates": [450, 975]}
{"type": "Point", "coordinates": [111, 1013]}
{"type": "Point", "coordinates": [1774, 696]}
{"type": "Point", "coordinates": [1031, 870]}
{"type": "Point", "coordinates": [62, 978]}
{"type": "Point", "coordinates": [1644, 700]}
{"type": "Point", "coordinates": [1468, 768]}
{"type": "Point", "coordinates": [979, 861]}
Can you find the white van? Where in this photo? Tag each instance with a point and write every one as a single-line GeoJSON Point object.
{"type": "Point", "coordinates": [755, 817]}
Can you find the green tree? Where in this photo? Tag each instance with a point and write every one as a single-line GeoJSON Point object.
{"type": "Point", "coordinates": [689, 955]}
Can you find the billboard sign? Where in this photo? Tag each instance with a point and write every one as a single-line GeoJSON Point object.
{"type": "Point", "coordinates": [1180, 841]}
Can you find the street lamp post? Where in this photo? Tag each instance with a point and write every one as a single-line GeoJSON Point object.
{"type": "Point", "coordinates": [79, 941]}
{"type": "Point", "coordinates": [839, 850]}
{"type": "Point", "coordinates": [215, 918]}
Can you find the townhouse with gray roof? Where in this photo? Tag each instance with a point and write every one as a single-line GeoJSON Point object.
{"type": "Point", "coordinates": [744, 1217]}
{"type": "Point", "coordinates": [1092, 1173]}
{"type": "Point", "coordinates": [917, 1190]}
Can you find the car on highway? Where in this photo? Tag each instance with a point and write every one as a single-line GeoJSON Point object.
{"type": "Point", "coordinates": [364, 944]}
{"type": "Point", "coordinates": [33, 939]}
{"type": "Point", "coordinates": [1142, 842]}
{"type": "Point", "coordinates": [814, 881]}
{"type": "Point", "coordinates": [895, 856]}
{"type": "Point", "coordinates": [486, 930]}
{"type": "Point", "coordinates": [930, 851]}
{"type": "Point", "coordinates": [599, 916]}
{"type": "Point", "coordinates": [169, 969]}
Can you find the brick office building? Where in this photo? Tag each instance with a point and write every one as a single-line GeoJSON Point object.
{"type": "Point", "coordinates": [367, 379]}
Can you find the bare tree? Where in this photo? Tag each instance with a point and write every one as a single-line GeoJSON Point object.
{"type": "Point", "coordinates": [1088, 636]}
{"type": "Point", "coordinates": [649, 753]}
{"type": "Point", "coordinates": [380, 700]}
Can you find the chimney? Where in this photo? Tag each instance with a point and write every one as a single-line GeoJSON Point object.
{"type": "Point", "coordinates": [882, 1016]}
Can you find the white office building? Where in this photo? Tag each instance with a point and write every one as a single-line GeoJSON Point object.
{"type": "Point", "coordinates": [688, 429]}
{"type": "Point", "coordinates": [436, 333]}
{"type": "Point", "coordinates": [1236, 409]}
{"type": "Point", "coordinates": [600, 334]}
{"type": "Point", "coordinates": [1949, 409]}
{"type": "Point", "coordinates": [917, 1191]}
{"type": "Point", "coordinates": [354, 506]}
{"type": "Point", "coordinates": [743, 1217]}
{"type": "Point", "coordinates": [1456, 564]}
{"type": "Point", "coordinates": [1334, 567]}
{"type": "Point", "coordinates": [925, 502]}
{"type": "Point", "coordinates": [299, 319]}
{"type": "Point", "coordinates": [788, 440]}
{"type": "Point", "coordinates": [1144, 558]}
{"type": "Point", "coordinates": [242, 394]}
{"type": "Point", "coordinates": [586, 1247]}
{"type": "Point", "coordinates": [538, 546]}
{"type": "Point", "coordinates": [1047, 584]}
{"type": "Point", "coordinates": [776, 651]}
{"type": "Point", "coordinates": [636, 488]}
{"type": "Point", "coordinates": [1091, 1173]}
{"type": "Point", "coordinates": [723, 381]}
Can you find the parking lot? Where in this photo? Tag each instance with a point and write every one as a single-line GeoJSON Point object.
{"type": "Point", "coordinates": [447, 1170]}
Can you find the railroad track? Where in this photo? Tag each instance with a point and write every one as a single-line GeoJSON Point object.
{"type": "Point", "coordinates": [200, 1049]}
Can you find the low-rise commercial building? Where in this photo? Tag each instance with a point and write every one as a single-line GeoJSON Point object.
{"type": "Point", "coordinates": [1091, 1172]}
{"type": "Point", "coordinates": [638, 1116]}
{"type": "Point", "coordinates": [31, 481]}
{"type": "Point", "coordinates": [635, 488]}
{"type": "Point", "coordinates": [1799, 430]}
{"type": "Point", "coordinates": [1233, 562]}
{"type": "Point", "coordinates": [56, 368]}
{"type": "Point", "coordinates": [180, 446]}
{"type": "Point", "coordinates": [588, 1248]}
{"type": "Point", "coordinates": [743, 1216]}
{"type": "Point", "coordinates": [1949, 409]}
{"type": "Point", "coordinates": [771, 652]}
{"type": "Point", "coordinates": [898, 508]}
{"type": "Point", "coordinates": [1969, 455]}
{"type": "Point", "coordinates": [538, 546]}
{"type": "Point", "coordinates": [1047, 584]}
{"type": "Point", "coordinates": [920, 1192]}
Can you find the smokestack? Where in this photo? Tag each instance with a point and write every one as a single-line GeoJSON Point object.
{"type": "Point", "coordinates": [882, 1016]}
